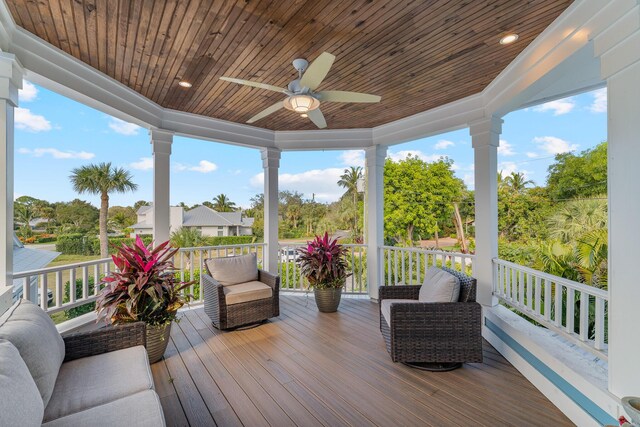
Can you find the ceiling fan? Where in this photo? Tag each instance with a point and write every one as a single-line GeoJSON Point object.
{"type": "Point", "coordinates": [302, 97]}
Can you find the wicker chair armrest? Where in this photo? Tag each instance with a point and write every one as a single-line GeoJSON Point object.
{"type": "Point", "coordinates": [399, 292]}
{"type": "Point", "coordinates": [272, 280]}
{"type": "Point", "coordinates": [104, 340]}
{"type": "Point", "coordinates": [210, 281]}
{"type": "Point", "coordinates": [454, 318]}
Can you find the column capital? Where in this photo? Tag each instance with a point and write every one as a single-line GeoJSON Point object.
{"type": "Point", "coordinates": [376, 154]}
{"type": "Point", "coordinates": [485, 132]}
{"type": "Point", "coordinates": [11, 73]}
{"type": "Point", "coordinates": [161, 141]}
{"type": "Point", "coordinates": [270, 157]}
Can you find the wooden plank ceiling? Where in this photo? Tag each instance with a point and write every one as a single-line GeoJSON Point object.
{"type": "Point", "coordinates": [416, 54]}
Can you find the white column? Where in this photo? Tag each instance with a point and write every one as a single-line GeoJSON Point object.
{"type": "Point", "coordinates": [161, 141]}
{"type": "Point", "coordinates": [620, 66]}
{"type": "Point", "coordinates": [10, 82]}
{"type": "Point", "coordinates": [485, 136]}
{"type": "Point", "coordinates": [375, 157]}
{"type": "Point", "coordinates": [270, 165]}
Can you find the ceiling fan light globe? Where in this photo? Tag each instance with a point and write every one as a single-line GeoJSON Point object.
{"type": "Point", "coordinates": [301, 103]}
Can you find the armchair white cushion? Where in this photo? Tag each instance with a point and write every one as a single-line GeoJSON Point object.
{"type": "Point", "coordinates": [233, 270]}
{"type": "Point", "coordinates": [439, 286]}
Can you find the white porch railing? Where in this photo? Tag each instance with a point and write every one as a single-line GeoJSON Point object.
{"type": "Point", "coordinates": [409, 265]}
{"type": "Point", "coordinates": [67, 286]}
{"type": "Point", "coordinates": [190, 261]}
{"type": "Point", "coordinates": [291, 278]}
{"type": "Point", "coordinates": [575, 310]}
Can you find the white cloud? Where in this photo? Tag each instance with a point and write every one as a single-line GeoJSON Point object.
{"type": "Point", "coordinates": [28, 93]}
{"type": "Point", "coordinates": [554, 145]}
{"type": "Point", "coordinates": [599, 104]}
{"type": "Point", "coordinates": [402, 155]}
{"type": "Point", "coordinates": [323, 183]}
{"type": "Point", "coordinates": [24, 119]}
{"type": "Point", "coordinates": [122, 127]}
{"type": "Point", "coordinates": [352, 158]}
{"type": "Point", "coordinates": [505, 148]}
{"type": "Point", "coordinates": [57, 154]}
{"type": "Point", "coordinates": [559, 107]}
{"type": "Point", "coordinates": [507, 168]}
{"type": "Point", "coordinates": [470, 180]}
{"type": "Point", "coordinates": [532, 155]}
{"type": "Point", "coordinates": [144, 164]}
{"type": "Point", "coordinates": [204, 166]}
{"type": "Point", "coordinates": [443, 144]}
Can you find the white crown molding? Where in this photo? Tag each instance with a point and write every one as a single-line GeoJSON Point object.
{"type": "Point", "coordinates": [560, 62]}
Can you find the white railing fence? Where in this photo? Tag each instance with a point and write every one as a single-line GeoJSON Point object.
{"type": "Point", "coordinates": [64, 287]}
{"type": "Point", "coordinates": [575, 310]}
{"type": "Point", "coordinates": [190, 262]}
{"type": "Point", "coordinates": [291, 278]}
{"type": "Point", "coordinates": [409, 265]}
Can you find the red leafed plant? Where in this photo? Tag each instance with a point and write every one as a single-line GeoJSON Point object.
{"type": "Point", "coordinates": [323, 262]}
{"type": "Point", "coordinates": [144, 288]}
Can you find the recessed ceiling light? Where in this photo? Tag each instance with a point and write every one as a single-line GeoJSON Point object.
{"type": "Point", "coordinates": [304, 116]}
{"type": "Point", "coordinates": [509, 38]}
{"type": "Point", "coordinates": [184, 83]}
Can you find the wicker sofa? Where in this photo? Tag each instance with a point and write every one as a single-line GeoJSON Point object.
{"type": "Point", "coordinates": [434, 336]}
{"type": "Point", "coordinates": [237, 293]}
{"type": "Point", "coordinates": [99, 378]}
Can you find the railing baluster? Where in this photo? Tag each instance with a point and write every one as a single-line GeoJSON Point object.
{"type": "Point", "coordinates": [59, 291]}
{"type": "Point", "coordinates": [598, 341]}
{"type": "Point", "coordinates": [558, 303]}
{"type": "Point", "coordinates": [353, 269]}
{"type": "Point", "coordinates": [96, 279]}
{"type": "Point", "coordinates": [85, 282]}
{"type": "Point", "coordinates": [569, 320]}
{"type": "Point", "coordinates": [191, 271]}
{"type": "Point", "coordinates": [547, 300]}
{"type": "Point", "coordinates": [44, 292]}
{"type": "Point", "coordinates": [389, 281]}
{"type": "Point", "coordinates": [201, 293]}
{"type": "Point", "coordinates": [26, 288]}
{"type": "Point", "coordinates": [72, 285]}
{"type": "Point", "coordinates": [538, 296]}
{"type": "Point", "coordinates": [521, 286]}
{"type": "Point", "coordinates": [360, 275]}
{"type": "Point", "coordinates": [584, 316]}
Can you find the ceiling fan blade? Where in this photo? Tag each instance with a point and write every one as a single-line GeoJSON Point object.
{"type": "Point", "coordinates": [317, 118]}
{"type": "Point", "coordinates": [343, 96]}
{"type": "Point", "coordinates": [317, 71]}
{"type": "Point", "coordinates": [264, 113]}
{"type": "Point", "coordinates": [253, 84]}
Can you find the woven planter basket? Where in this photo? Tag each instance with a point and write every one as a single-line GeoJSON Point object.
{"type": "Point", "coordinates": [328, 299]}
{"type": "Point", "coordinates": [157, 340]}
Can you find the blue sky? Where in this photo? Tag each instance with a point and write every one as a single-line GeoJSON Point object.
{"type": "Point", "coordinates": [55, 134]}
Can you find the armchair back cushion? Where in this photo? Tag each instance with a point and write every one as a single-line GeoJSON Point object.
{"type": "Point", "coordinates": [20, 401]}
{"type": "Point", "coordinates": [439, 286]}
{"type": "Point", "coordinates": [33, 333]}
{"type": "Point", "coordinates": [230, 271]}
{"type": "Point", "coordinates": [467, 285]}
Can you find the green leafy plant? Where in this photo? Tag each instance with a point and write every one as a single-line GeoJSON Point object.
{"type": "Point", "coordinates": [144, 288]}
{"type": "Point", "coordinates": [323, 263]}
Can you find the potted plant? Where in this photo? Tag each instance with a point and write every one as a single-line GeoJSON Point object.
{"type": "Point", "coordinates": [144, 288]}
{"type": "Point", "coordinates": [324, 265]}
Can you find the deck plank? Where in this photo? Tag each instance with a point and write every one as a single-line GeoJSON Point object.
{"type": "Point", "coordinates": [307, 368]}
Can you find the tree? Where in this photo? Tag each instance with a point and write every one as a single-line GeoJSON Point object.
{"type": "Point", "coordinates": [137, 205]}
{"type": "Point", "coordinates": [579, 175]}
{"type": "Point", "coordinates": [102, 179]}
{"type": "Point", "coordinates": [221, 203]}
{"type": "Point", "coordinates": [185, 237]}
{"type": "Point", "coordinates": [577, 218]}
{"type": "Point", "coordinates": [417, 195]}
{"type": "Point", "coordinates": [517, 182]}
{"type": "Point", "coordinates": [121, 217]}
{"type": "Point", "coordinates": [349, 180]}
{"type": "Point", "coordinates": [81, 215]}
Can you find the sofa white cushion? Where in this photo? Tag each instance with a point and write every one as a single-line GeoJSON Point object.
{"type": "Point", "coordinates": [20, 400]}
{"type": "Point", "coordinates": [142, 409]}
{"type": "Point", "coordinates": [245, 292]}
{"type": "Point", "coordinates": [35, 336]}
{"type": "Point", "coordinates": [439, 286]}
{"type": "Point", "coordinates": [96, 380]}
{"type": "Point", "coordinates": [233, 270]}
{"type": "Point", "coordinates": [385, 307]}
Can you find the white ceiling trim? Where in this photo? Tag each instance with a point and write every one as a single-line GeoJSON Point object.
{"type": "Point", "coordinates": [529, 78]}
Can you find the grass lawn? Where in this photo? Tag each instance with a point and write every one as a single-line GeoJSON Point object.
{"type": "Point", "coordinates": [71, 259]}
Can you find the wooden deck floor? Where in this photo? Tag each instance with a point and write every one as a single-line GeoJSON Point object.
{"type": "Point", "coordinates": [310, 369]}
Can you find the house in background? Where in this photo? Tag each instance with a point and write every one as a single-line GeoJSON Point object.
{"type": "Point", "coordinates": [207, 220]}
{"type": "Point", "coordinates": [25, 259]}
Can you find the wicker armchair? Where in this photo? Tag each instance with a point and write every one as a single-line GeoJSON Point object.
{"type": "Point", "coordinates": [433, 336]}
{"type": "Point", "coordinates": [227, 316]}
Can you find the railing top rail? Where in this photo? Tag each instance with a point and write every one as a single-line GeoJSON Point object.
{"type": "Point", "coordinates": [55, 269]}
{"type": "Point", "coordinates": [301, 244]}
{"type": "Point", "coordinates": [431, 251]}
{"type": "Point", "coordinates": [203, 248]}
{"type": "Point", "coordinates": [591, 290]}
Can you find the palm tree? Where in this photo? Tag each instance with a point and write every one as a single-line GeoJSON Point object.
{"type": "Point", "coordinates": [517, 182]}
{"type": "Point", "coordinates": [221, 203]}
{"type": "Point", "coordinates": [24, 214]}
{"type": "Point", "coordinates": [577, 218]}
{"type": "Point", "coordinates": [102, 179]}
{"type": "Point", "coordinates": [349, 180]}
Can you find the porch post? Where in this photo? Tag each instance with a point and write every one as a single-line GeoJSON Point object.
{"type": "Point", "coordinates": [161, 141]}
{"type": "Point", "coordinates": [620, 67]}
{"type": "Point", "coordinates": [271, 164]}
{"type": "Point", "coordinates": [10, 81]}
{"type": "Point", "coordinates": [375, 157]}
{"type": "Point", "coordinates": [485, 135]}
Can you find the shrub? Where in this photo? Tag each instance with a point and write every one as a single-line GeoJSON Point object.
{"type": "Point", "coordinates": [77, 244]}
{"type": "Point", "coordinates": [46, 238]}
{"type": "Point", "coordinates": [82, 309]}
{"type": "Point", "coordinates": [230, 240]}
